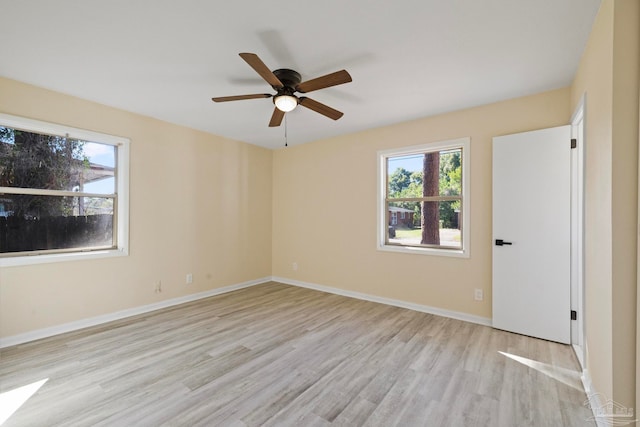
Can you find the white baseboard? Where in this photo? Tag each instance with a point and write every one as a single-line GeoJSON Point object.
{"type": "Point", "coordinates": [595, 400]}
{"type": "Point", "coordinates": [577, 350]}
{"type": "Point", "coordinates": [98, 320]}
{"type": "Point", "coordinates": [397, 303]}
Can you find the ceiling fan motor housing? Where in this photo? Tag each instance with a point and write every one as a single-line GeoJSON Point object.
{"type": "Point", "coordinates": [289, 78]}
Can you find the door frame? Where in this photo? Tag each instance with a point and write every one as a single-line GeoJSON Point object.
{"type": "Point", "coordinates": [578, 326]}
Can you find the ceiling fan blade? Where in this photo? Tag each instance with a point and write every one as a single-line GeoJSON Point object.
{"type": "Point", "coordinates": [260, 67]}
{"type": "Point", "coordinates": [241, 97]}
{"type": "Point", "coordinates": [333, 79]}
{"type": "Point", "coordinates": [318, 107]}
{"type": "Point", "coordinates": [276, 118]}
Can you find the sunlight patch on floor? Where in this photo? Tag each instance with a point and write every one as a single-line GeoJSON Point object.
{"type": "Point", "coordinates": [565, 376]}
{"type": "Point", "coordinates": [12, 400]}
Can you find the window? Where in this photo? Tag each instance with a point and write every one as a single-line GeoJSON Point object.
{"type": "Point", "coordinates": [429, 186]}
{"type": "Point", "coordinates": [63, 192]}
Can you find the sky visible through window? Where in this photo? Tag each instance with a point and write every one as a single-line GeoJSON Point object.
{"type": "Point", "coordinates": [412, 163]}
{"type": "Point", "coordinates": [100, 154]}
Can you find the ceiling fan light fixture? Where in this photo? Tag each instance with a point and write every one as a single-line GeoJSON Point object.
{"type": "Point", "coordinates": [286, 103]}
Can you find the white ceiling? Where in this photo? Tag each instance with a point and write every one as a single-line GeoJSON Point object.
{"type": "Point", "coordinates": [408, 58]}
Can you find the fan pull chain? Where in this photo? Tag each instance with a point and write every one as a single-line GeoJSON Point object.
{"type": "Point", "coordinates": [286, 142]}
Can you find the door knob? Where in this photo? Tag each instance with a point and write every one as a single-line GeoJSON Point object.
{"type": "Point", "coordinates": [500, 242]}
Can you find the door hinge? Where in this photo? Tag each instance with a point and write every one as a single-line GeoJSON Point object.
{"type": "Point", "coordinates": [574, 315]}
{"type": "Point", "coordinates": [574, 143]}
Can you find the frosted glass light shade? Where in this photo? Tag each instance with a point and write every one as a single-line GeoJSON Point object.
{"type": "Point", "coordinates": [286, 103]}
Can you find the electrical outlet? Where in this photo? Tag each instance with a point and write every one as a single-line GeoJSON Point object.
{"type": "Point", "coordinates": [478, 295]}
{"type": "Point", "coordinates": [189, 278]}
{"type": "Point", "coordinates": [158, 286]}
{"type": "Point", "coordinates": [294, 266]}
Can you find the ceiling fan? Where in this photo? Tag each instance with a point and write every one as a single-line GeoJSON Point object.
{"type": "Point", "coordinates": [286, 83]}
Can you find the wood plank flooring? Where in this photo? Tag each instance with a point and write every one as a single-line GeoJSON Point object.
{"type": "Point", "coordinates": [277, 355]}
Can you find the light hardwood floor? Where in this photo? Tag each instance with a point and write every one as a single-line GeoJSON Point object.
{"type": "Point", "coordinates": [279, 355]}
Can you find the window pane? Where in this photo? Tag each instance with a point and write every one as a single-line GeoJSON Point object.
{"type": "Point", "coordinates": [30, 223]}
{"type": "Point", "coordinates": [432, 224]}
{"type": "Point", "coordinates": [450, 166]}
{"type": "Point", "coordinates": [98, 176]}
{"type": "Point", "coordinates": [405, 228]}
{"type": "Point", "coordinates": [405, 175]}
{"type": "Point", "coordinates": [33, 160]}
{"type": "Point", "coordinates": [425, 174]}
{"type": "Point", "coordinates": [440, 224]}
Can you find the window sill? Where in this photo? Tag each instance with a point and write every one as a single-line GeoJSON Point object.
{"type": "Point", "coordinates": [425, 251]}
{"type": "Point", "coordinates": [61, 257]}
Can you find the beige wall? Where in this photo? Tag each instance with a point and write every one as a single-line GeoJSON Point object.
{"type": "Point", "coordinates": [199, 204]}
{"type": "Point", "coordinates": [638, 277]}
{"type": "Point", "coordinates": [608, 75]}
{"type": "Point", "coordinates": [626, 63]}
{"type": "Point", "coordinates": [314, 184]}
{"type": "Point", "coordinates": [595, 73]}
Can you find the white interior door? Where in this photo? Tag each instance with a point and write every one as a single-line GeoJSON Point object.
{"type": "Point", "coordinates": [532, 217]}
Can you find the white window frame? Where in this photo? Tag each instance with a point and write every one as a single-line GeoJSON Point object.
{"type": "Point", "coordinates": [382, 226]}
{"type": "Point", "coordinates": [121, 216]}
